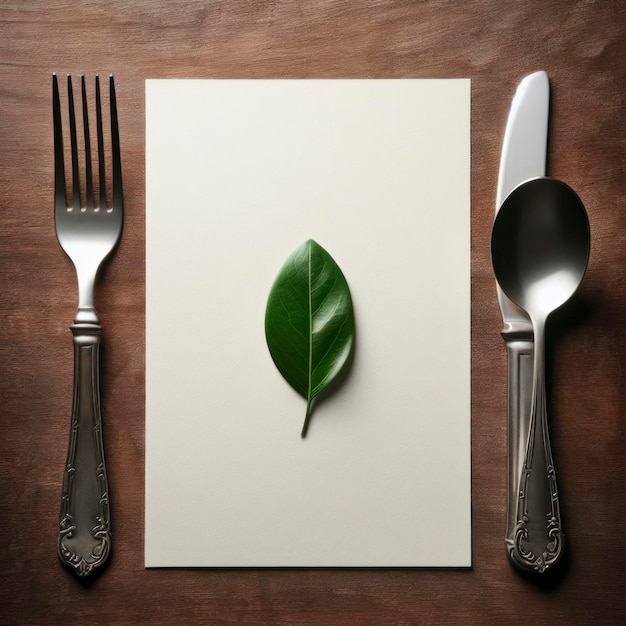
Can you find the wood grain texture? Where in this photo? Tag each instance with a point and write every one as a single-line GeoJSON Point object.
{"type": "Point", "coordinates": [580, 43]}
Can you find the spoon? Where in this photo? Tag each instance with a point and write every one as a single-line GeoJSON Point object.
{"type": "Point", "coordinates": [539, 250]}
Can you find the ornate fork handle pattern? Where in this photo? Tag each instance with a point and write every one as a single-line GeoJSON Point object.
{"type": "Point", "coordinates": [84, 530]}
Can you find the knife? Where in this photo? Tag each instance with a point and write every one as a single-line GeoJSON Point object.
{"type": "Point", "coordinates": [524, 157]}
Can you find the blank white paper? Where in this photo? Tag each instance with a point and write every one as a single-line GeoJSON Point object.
{"type": "Point", "coordinates": [239, 173]}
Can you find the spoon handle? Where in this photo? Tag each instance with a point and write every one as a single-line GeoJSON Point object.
{"type": "Point", "coordinates": [538, 541]}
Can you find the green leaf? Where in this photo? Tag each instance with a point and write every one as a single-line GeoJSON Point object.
{"type": "Point", "coordinates": [309, 322]}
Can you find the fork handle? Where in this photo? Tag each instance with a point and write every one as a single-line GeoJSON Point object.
{"type": "Point", "coordinates": [84, 541]}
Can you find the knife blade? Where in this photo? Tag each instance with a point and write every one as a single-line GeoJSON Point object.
{"type": "Point", "coordinates": [523, 157]}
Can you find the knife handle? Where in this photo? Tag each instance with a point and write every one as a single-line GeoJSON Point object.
{"type": "Point", "coordinates": [520, 383]}
{"type": "Point", "coordinates": [534, 535]}
{"type": "Point", "coordinates": [84, 541]}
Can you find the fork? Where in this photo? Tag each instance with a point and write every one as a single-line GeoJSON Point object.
{"type": "Point", "coordinates": [88, 233]}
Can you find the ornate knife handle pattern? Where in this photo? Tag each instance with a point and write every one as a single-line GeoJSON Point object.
{"type": "Point", "coordinates": [534, 536]}
{"type": "Point", "coordinates": [537, 541]}
{"type": "Point", "coordinates": [84, 541]}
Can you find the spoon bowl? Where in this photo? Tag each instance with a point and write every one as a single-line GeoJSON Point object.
{"type": "Point", "coordinates": [540, 245]}
{"type": "Point", "coordinates": [539, 249]}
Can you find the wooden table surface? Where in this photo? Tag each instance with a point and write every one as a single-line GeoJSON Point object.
{"type": "Point", "coordinates": [580, 44]}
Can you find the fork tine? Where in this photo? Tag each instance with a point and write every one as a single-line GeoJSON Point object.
{"type": "Point", "coordinates": [115, 149]}
{"type": "Point", "coordinates": [88, 172]}
{"type": "Point", "coordinates": [60, 196]}
{"type": "Point", "coordinates": [74, 144]}
{"type": "Point", "coordinates": [101, 169]}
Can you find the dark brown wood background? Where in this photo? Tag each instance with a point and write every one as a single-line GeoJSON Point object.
{"type": "Point", "coordinates": [582, 46]}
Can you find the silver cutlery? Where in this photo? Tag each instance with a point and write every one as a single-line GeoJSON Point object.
{"type": "Point", "coordinates": [88, 232]}
{"type": "Point", "coordinates": [540, 249]}
{"type": "Point", "coordinates": [523, 157]}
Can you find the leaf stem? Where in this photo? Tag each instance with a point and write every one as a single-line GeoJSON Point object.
{"type": "Point", "coordinates": [307, 417]}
